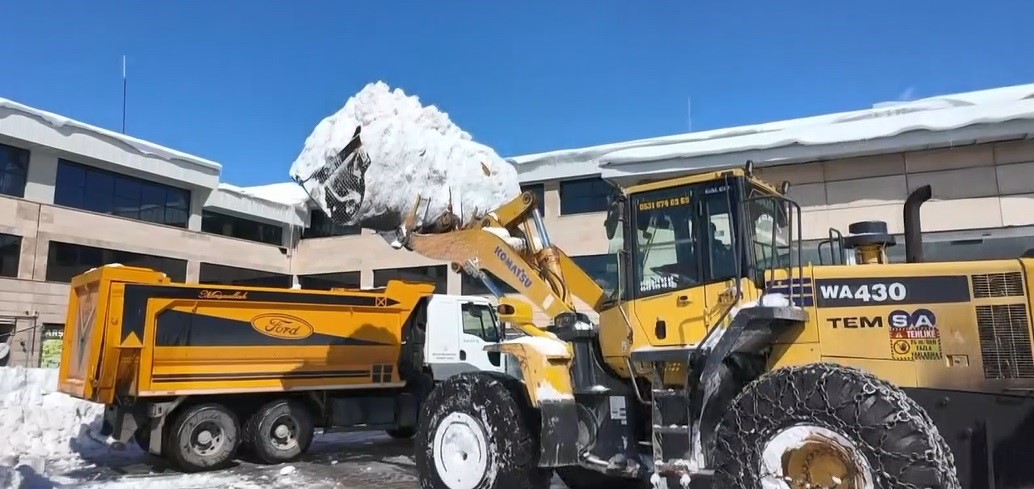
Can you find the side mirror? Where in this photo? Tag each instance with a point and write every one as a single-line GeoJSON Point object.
{"type": "Point", "coordinates": [615, 214]}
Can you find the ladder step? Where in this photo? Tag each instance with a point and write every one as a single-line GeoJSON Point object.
{"type": "Point", "coordinates": [669, 393]}
{"type": "Point", "coordinates": [671, 429]}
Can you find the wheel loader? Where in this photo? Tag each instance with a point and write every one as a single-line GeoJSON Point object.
{"type": "Point", "coordinates": [722, 359]}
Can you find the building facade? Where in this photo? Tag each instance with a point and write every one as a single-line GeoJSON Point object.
{"type": "Point", "coordinates": [73, 197]}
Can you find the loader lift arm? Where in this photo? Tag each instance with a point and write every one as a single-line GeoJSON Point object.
{"type": "Point", "coordinates": [513, 244]}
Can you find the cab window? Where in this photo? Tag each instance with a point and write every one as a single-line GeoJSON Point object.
{"type": "Point", "coordinates": [664, 250]}
{"type": "Point", "coordinates": [479, 320]}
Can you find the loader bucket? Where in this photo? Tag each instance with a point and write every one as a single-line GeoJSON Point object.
{"type": "Point", "coordinates": [339, 185]}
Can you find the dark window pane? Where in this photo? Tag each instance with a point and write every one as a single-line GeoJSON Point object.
{"type": "Point", "coordinates": [602, 268]}
{"type": "Point", "coordinates": [320, 226]}
{"type": "Point", "coordinates": [326, 281]}
{"type": "Point", "coordinates": [227, 275]}
{"type": "Point", "coordinates": [66, 260]}
{"type": "Point", "coordinates": [540, 194]}
{"type": "Point", "coordinates": [237, 227]}
{"type": "Point", "coordinates": [432, 274]}
{"type": "Point", "coordinates": [88, 188]}
{"type": "Point", "coordinates": [14, 167]}
{"type": "Point", "coordinates": [581, 196]}
{"type": "Point", "coordinates": [474, 286]}
{"type": "Point", "coordinates": [10, 253]}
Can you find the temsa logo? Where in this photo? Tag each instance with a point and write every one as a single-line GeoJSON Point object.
{"type": "Point", "coordinates": [282, 326]}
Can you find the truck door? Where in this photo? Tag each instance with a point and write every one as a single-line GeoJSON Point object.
{"type": "Point", "coordinates": [457, 331]}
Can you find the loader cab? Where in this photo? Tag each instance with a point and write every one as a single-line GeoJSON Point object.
{"type": "Point", "coordinates": [684, 240]}
{"type": "Point", "coordinates": [458, 327]}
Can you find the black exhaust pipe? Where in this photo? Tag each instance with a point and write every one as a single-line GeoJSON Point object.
{"type": "Point", "coordinates": [913, 227]}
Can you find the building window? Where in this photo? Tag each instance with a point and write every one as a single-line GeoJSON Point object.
{"type": "Point", "coordinates": [539, 190]}
{"type": "Point", "coordinates": [226, 275]}
{"type": "Point", "coordinates": [602, 268]}
{"type": "Point", "coordinates": [327, 281]}
{"type": "Point", "coordinates": [321, 226]}
{"type": "Point", "coordinates": [435, 274]}
{"type": "Point", "coordinates": [473, 286]}
{"type": "Point", "coordinates": [92, 189]}
{"type": "Point", "coordinates": [238, 227]}
{"type": "Point", "coordinates": [582, 196]}
{"type": "Point", "coordinates": [10, 254]}
{"type": "Point", "coordinates": [66, 260]}
{"type": "Point", "coordinates": [14, 167]}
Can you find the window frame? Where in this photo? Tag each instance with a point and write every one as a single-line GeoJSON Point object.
{"type": "Point", "coordinates": [10, 159]}
{"type": "Point", "coordinates": [596, 202]}
{"type": "Point", "coordinates": [93, 197]}
{"type": "Point", "coordinates": [10, 242]}
{"type": "Point", "coordinates": [164, 264]}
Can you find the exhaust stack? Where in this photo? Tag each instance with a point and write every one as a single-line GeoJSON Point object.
{"type": "Point", "coordinates": [913, 227]}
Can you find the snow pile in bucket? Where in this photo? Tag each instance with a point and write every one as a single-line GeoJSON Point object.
{"type": "Point", "coordinates": [407, 150]}
{"type": "Point", "coordinates": [38, 423]}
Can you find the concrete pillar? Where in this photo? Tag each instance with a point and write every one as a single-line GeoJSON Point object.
{"type": "Point", "coordinates": [193, 271]}
{"type": "Point", "coordinates": [198, 197]}
{"type": "Point", "coordinates": [455, 282]}
{"type": "Point", "coordinates": [41, 177]}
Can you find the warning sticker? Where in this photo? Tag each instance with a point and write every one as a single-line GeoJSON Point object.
{"type": "Point", "coordinates": [914, 335]}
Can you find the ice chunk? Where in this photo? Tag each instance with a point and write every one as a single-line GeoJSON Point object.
{"type": "Point", "coordinates": [368, 163]}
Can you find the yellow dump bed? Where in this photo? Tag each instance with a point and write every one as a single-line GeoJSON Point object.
{"type": "Point", "coordinates": [134, 333]}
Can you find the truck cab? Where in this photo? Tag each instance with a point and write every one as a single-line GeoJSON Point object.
{"type": "Point", "coordinates": [456, 330]}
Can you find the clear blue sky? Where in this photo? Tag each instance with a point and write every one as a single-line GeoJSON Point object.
{"type": "Point", "coordinates": [244, 82]}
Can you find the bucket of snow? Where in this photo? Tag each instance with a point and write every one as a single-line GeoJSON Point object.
{"type": "Point", "coordinates": [368, 163]}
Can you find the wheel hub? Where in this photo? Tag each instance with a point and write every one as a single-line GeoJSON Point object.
{"type": "Point", "coordinates": [207, 439]}
{"type": "Point", "coordinates": [814, 457]}
{"type": "Point", "coordinates": [284, 433]}
{"type": "Point", "coordinates": [460, 449]}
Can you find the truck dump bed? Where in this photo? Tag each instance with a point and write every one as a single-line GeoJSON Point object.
{"type": "Point", "coordinates": [131, 332]}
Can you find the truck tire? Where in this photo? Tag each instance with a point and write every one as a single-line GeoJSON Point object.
{"type": "Point", "coordinates": [203, 437]}
{"type": "Point", "coordinates": [280, 431]}
{"type": "Point", "coordinates": [862, 430]}
{"type": "Point", "coordinates": [583, 478]}
{"type": "Point", "coordinates": [474, 434]}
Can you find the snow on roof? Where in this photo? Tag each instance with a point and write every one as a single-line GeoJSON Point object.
{"type": "Point", "coordinates": [286, 193]}
{"type": "Point", "coordinates": [143, 147]}
{"type": "Point", "coordinates": [940, 113]}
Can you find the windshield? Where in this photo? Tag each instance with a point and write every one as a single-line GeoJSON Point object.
{"type": "Point", "coordinates": [683, 237]}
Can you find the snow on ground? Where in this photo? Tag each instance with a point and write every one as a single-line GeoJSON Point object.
{"type": "Point", "coordinates": [47, 444]}
{"type": "Point", "coordinates": [413, 151]}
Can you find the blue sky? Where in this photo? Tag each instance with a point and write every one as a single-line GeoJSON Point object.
{"type": "Point", "coordinates": [244, 82]}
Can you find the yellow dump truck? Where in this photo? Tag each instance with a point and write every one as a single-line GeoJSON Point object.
{"type": "Point", "coordinates": [192, 372]}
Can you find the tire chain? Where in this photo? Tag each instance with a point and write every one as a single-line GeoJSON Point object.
{"type": "Point", "coordinates": [772, 391]}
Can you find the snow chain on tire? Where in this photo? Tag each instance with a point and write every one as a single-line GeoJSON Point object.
{"type": "Point", "coordinates": [900, 441]}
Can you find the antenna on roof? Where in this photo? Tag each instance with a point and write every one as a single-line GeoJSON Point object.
{"type": "Point", "coordinates": [123, 94]}
{"type": "Point", "coordinates": [689, 113]}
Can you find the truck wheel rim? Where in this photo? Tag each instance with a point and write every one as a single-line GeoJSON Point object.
{"type": "Point", "coordinates": [283, 433]}
{"type": "Point", "coordinates": [460, 451]}
{"type": "Point", "coordinates": [206, 439]}
{"type": "Point", "coordinates": [815, 457]}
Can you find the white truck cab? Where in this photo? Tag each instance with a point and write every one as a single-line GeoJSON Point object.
{"type": "Point", "coordinates": [458, 327]}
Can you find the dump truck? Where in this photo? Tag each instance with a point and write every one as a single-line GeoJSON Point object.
{"type": "Point", "coordinates": [720, 356]}
{"type": "Point", "coordinates": [194, 372]}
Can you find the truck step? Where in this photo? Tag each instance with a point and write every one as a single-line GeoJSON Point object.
{"type": "Point", "coordinates": [658, 393]}
{"type": "Point", "coordinates": [663, 354]}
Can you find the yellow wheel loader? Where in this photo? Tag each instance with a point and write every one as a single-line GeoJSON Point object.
{"type": "Point", "coordinates": [722, 359]}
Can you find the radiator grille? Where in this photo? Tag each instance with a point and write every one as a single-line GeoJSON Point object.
{"type": "Point", "coordinates": [998, 285]}
{"type": "Point", "coordinates": [1005, 345]}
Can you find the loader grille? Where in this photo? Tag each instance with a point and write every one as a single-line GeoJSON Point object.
{"type": "Point", "coordinates": [1005, 346]}
{"type": "Point", "coordinates": [997, 285]}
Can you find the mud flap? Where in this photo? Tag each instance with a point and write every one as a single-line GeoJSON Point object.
{"type": "Point", "coordinates": [559, 433]}
{"type": "Point", "coordinates": [340, 184]}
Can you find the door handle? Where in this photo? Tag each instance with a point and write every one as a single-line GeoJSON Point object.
{"type": "Point", "coordinates": [463, 355]}
{"type": "Point", "coordinates": [682, 300]}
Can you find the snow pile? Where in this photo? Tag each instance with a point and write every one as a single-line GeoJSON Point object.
{"type": "Point", "coordinates": [38, 423]}
{"type": "Point", "coordinates": [407, 150]}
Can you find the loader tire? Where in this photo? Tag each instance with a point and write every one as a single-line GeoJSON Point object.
{"type": "Point", "coordinates": [474, 433]}
{"type": "Point", "coordinates": [821, 423]}
{"type": "Point", "coordinates": [203, 437]}
{"type": "Point", "coordinates": [280, 431]}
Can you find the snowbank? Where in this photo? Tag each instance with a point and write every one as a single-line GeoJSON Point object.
{"type": "Point", "coordinates": [38, 423]}
{"type": "Point", "coordinates": [407, 151]}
